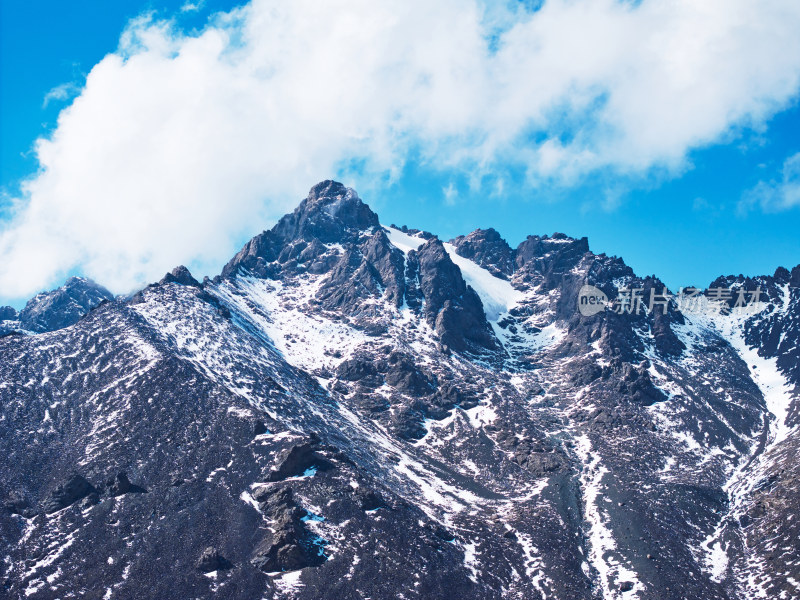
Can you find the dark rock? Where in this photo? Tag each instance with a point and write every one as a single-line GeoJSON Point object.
{"type": "Point", "coordinates": [89, 501]}
{"type": "Point", "coordinates": [406, 377]}
{"type": "Point", "coordinates": [17, 504]}
{"type": "Point", "coordinates": [7, 313]}
{"type": "Point", "coordinates": [119, 485]}
{"type": "Point", "coordinates": [74, 489]}
{"type": "Point", "coordinates": [332, 213]}
{"type": "Point", "coordinates": [361, 369]}
{"type": "Point", "coordinates": [548, 260]}
{"type": "Point", "coordinates": [782, 275]}
{"type": "Point", "coordinates": [299, 459]}
{"type": "Point", "coordinates": [211, 560]}
{"type": "Point", "coordinates": [451, 307]}
{"type": "Point", "coordinates": [180, 275]}
{"type": "Point", "coordinates": [794, 280]}
{"type": "Point", "coordinates": [351, 281]}
{"type": "Point", "coordinates": [488, 249]}
{"type": "Point", "coordinates": [370, 500]}
{"type": "Point", "coordinates": [635, 384]}
{"type": "Point", "coordinates": [388, 263]}
{"type": "Point", "coordinates": [408, 423]}
{"type": "Point", "coordinates": [290, 546]}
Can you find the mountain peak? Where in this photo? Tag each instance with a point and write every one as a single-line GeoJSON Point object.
{"type": "Point", "coordinates": [329, 213]}
{"type": "Point", "coordinates": [487, 248]}
{"type": "Point", "coordinates": [7, 313]}
{"type": "Point", "coordinates": [62, 306]}
{"type": "Point", "coordinates": [181, 275]}
{"type": "Point", "coordinates": [330, 189]}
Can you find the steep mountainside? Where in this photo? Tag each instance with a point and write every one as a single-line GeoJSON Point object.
{"type": "Point", "coordinates": [358, 411]}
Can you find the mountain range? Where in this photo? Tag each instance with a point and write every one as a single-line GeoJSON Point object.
{"type": "Point", "coordinates": [354, 410]}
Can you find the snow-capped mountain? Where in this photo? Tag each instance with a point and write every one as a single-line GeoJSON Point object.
{"type": "Point", "coordinates": [56, 309]}
{"type": "Point", "coordinates": [358, 411]}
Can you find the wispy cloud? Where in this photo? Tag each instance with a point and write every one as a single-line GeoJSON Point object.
{"type": "Point", "coordinates": [450, 194]}
{"type": "Point", "coordinates": [192, 6]}
{"type": "Point", "coordinates": [61, 93]}
{"type": "Point", "coordinates": [777, 195]}
{"type": "Point", "coordinates": [179, 143]}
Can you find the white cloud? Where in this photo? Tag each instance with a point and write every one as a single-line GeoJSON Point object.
{"type": "Point", "coordinates": [192, 6]}
{"type": "Point", "coordinates": [450, 193]}
{"type": "Point", "coordinates": [61, 92]}
{"type": "Point", "coordinates": [777, 195]}
{"type": "Point", "coordinates": [178, 145]}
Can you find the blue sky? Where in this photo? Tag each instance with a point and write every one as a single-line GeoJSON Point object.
{"type": "Point", "coordinates": [700, 186]}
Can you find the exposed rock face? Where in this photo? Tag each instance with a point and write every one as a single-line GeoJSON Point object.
{"type": "Point", "coordinates": [8, 313]}
{"type": "Point", "coordinates": [180, 275]}
{"type": "Point", "coordinates": [486, 248]}
{"type": "Point", "coordinates": [56, 309]}
{"type": "Point", "coordinates": [17, 504]}
{"type": "Point", "coordinates": [331, 214]}
{"type": "Point", "coordinates": [120, 484]}
{"type": "Point", "coordinates": [547, 260]}
{"type": "Point", "coordinates": [74, 489]}
{"type": "Point", "coordinates": [211, 560]}
{"type": "Point", "coordinates": [451, 307]}
{"type": "Point", "coordinates": [353, 411]}
{"type": "Point", "coordinates": [300, 460]}
{"type": "Point", "coordinates": [290, 546]}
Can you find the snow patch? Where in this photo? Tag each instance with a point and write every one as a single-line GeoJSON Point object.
{"type": "Point", "coordinates": [603, 555]}
{"type": "Point", "coordinates": [403, 241]}
{"type": "Point", "coordinates": [497, 295]}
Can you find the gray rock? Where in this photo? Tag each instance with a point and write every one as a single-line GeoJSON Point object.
{"type": "Point", "coordinates": [73, 489]}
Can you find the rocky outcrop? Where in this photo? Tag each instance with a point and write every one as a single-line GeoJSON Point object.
{"type": "Point", "coordinates": [120, 485]}
{"type": "Point", "coordinates": [331, 214]}
{"type": "Point", "coordinates": [8, 313]}
{"type": "Point", "coordinates": [211, 560]}
{"type": "Point", "coordinates": [545, 260]}
{"type": "Point", "coordinates": [17, 504]}
{"type": "Point", "coordinates": [486, 248]}
{"type": "Point", "coordinates": [450, 306]}
{"type": "Point", "coordinates": [298, 460]}
{"type": "Point", "coordinates": [73, 489]}
{"type": "Point", "coordinates": [180, 275]}
{"type": "Point", "coordinates": [290, 545]}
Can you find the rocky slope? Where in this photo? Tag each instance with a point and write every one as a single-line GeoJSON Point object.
{"type": "Point", "coordinates": [358, 411]}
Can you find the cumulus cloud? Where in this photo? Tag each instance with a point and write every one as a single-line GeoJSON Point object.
{"type": "Point", "coordinates": [776, 195]}
{"type": "Point", "coordinates": [179, 144]}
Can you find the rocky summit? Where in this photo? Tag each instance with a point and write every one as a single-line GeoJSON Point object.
{"type": "Point", "coordinates": [351, 410]}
